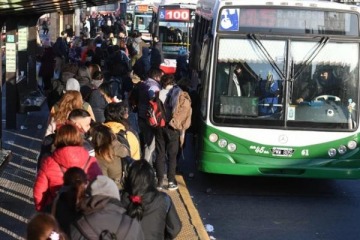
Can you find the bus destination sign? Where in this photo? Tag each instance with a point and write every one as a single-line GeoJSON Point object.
{"type": "Point", "coordinates": [289, 20]}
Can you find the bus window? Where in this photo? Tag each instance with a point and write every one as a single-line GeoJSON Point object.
{"type": "Point", "coordinates": [142, 23]}
{"type": "Point", "coordinates": [324, 89]}
{"type": "Point", "coordinates": [246, 75]}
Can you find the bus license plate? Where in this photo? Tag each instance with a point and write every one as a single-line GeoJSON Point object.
{"type": "Point", "coordinates": [282, 152]}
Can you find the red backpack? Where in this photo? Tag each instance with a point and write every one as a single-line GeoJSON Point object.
{"type": "Point", "coordinates": [156, 112]}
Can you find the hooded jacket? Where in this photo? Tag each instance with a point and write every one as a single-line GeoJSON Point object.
{"type": "Point", "coordinates": [50, 175]}
{"type": "Point", "coordinates": [103, 213]}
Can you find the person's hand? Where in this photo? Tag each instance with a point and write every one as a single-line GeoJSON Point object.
{"type": "Point", "coordinates": [299, 100]}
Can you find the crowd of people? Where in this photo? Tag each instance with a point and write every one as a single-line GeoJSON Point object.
{"type": "Point", "coordinates": [103, 169]}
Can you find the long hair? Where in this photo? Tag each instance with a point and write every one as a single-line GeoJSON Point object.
{"type": "Point", "coordinates": [68, 135]}
{"type": "Point", "coordinates": [76, 180]}
{"type": "Point", "coordinates": [69, 101]}
{"type": "Point", "coordinates": [102, 138]}
{"type": "Point", "coordinates": [42, 226]}
{"type": "Point", "coordinates": [140, 182]}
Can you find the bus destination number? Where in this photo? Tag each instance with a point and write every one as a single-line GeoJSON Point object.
{"type": "Point", "coordinates": [175, 14]}
{"type": "Point", "coordinates": [282, 152]}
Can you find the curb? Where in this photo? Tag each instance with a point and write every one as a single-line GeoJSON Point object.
{"type": "Point", "coordinates": [193, 212]}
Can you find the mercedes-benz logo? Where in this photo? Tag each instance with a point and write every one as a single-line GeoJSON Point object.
{"type": "Point", "coordinates": [283, 139]}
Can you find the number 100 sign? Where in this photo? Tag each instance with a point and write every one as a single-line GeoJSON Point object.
{"type": "Point", "coordinates": [175, 14]}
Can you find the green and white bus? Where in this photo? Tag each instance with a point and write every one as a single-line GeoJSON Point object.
{"type": "Point", "coordinates": [279, 88]}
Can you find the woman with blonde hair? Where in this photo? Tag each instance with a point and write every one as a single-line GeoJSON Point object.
{"type": "Point", "coordinates": [59, 113]}
{"type": "Point", "coordinates": [109, 152]}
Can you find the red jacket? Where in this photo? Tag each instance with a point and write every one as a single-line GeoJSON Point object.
{"type": "Point", "coordinates": [50, 177]}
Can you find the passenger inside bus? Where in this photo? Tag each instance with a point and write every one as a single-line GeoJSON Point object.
{"type": "Point", "coordinates": [323, 83]}
{"type": "Point", "coordinates": [245, 84]}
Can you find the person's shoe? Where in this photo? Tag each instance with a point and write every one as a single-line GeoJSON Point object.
{"type": "Point", "coordinates": [160, 185]}
{"type": "Point", "coordinates": [172, 186]}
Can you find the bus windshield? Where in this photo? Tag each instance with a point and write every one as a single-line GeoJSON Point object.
{"type": "Point", "coordinates": [283, 83]}
{"type": "Point", "coordinates": [174, 35]}
{"type": "Point", "coordinates": [142, 22]}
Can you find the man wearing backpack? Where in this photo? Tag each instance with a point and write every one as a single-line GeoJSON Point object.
{"type": "Point", "coordinates": [177, 108]}
{"type": "Point", "coordinates": [103, 217]}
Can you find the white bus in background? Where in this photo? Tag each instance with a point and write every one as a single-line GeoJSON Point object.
{"type": "Point", "coordinates": [142, 18]}
{"type": "Point", "coordinates": [172, 22]}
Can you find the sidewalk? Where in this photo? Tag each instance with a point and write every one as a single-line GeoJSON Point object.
{"type": "Point", "coordinates": [17, 179]}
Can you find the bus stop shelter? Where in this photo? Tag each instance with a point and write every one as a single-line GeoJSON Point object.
{"type": "Point", "coordinates": [18, 21]}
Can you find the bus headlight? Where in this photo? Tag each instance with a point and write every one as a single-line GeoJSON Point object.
{"type": "Point", "coordinates": [213, 137]}
{"type": "Point", "coordinates": [352, 145]}
{"type": "Point", "coordinates": [231, 147]}
{"type": "Point", "coordinates": [222, 143]}
{"type": "Point", "coordinates": [342, 149]}
{"type": "Point", "coordinates": [332, 152]}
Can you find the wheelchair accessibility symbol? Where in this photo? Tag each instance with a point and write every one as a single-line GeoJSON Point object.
{"type": "Point", "coordinates": [162, 14]}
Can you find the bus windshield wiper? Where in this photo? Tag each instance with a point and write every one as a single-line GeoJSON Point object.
{"type": "Point", "coordinates": [267, 55]}
{"type": "Point", "coordinates": [312, 56]}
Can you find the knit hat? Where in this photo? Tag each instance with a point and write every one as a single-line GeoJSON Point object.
{"type": "Point", "coordinates": [72, 84]}
{"type": "Point", "coordinates": [104, 186]}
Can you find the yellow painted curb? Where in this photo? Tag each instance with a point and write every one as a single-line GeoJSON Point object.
{"type": "Point", "coordinates": [193, 212]}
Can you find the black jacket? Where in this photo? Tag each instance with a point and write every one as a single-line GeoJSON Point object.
{"type": "Point", "coordinates": [160, 219]}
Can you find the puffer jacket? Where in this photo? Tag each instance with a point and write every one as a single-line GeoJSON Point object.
{"type": "Point", "coordinates": [50, 175]}
{"type": "Point", "coordinates": [102, 213]}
